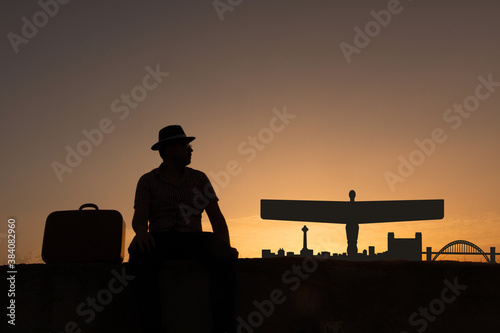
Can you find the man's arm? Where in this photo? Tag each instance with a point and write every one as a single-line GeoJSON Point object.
{"type": "Point", "coordinates": [219, 225]}
{"type": "Point", "coordinates": [143, 241]}
{"type": "Point", "coordinates": [218, 221]}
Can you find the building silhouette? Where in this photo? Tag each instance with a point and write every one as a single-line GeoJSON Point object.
{"type": "Point", "coordinates": [397, 248]}
{"type": "Point", "coordinates": [404, 248]}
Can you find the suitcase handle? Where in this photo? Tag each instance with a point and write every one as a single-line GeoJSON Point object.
{"type": "Point", "coordinates": [89, 205]}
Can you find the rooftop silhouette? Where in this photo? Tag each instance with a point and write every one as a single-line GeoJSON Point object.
{"type": "Point", "coordinates": [397, 248]}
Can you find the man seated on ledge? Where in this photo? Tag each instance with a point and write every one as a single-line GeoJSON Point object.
{"type": "Point", "coordinates": [172, 198]}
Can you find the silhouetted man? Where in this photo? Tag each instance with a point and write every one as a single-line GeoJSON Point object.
{"type": "Point", "coordinates": [172, 198]}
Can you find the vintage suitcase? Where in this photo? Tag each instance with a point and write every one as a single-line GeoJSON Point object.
{"type": "Point", "coordinates": [84, 236]}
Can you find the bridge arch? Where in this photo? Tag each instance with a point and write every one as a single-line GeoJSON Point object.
{"type": "Point", "coordinates": [461, 247]}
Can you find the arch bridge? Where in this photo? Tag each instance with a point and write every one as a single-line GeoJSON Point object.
{"type": "Point", "coordinates": [462, 247]}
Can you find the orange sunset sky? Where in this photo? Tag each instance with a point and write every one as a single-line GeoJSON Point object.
{"type": "Point", "coordinates": [397, 100]}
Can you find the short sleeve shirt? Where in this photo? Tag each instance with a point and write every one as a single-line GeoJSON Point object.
{"type": "Point", "coordinates": [175, 207]}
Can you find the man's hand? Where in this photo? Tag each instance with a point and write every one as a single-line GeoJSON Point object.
{"type": "Point", "coordinates": [142, 242]}
{"type": "Point", "coordinates": [235, 253]}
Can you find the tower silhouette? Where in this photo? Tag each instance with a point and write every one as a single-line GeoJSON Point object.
{"type": "Point", "coordinates": [305, 251]}
{"type": "Point", "coordinates": [305, 237]}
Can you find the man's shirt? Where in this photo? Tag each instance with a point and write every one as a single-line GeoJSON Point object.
{"type": "Point", "coordinates": [174, 207]}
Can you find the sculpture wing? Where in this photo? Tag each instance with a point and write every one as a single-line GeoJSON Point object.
{"type": "Point", "coordinates": [352, 212]}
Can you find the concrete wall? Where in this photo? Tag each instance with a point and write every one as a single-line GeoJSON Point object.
{"type": "Point", "coordinates": [276, 295]}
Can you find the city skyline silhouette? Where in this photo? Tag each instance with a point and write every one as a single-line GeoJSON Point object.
{"type": "Point", "coordinates": [397, 249]}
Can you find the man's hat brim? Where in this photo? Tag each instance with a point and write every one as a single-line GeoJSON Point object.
{"type": "Point", "coordinates": [160, 143]}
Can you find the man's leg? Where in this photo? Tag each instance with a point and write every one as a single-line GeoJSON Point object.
{"type": "Point", "coordinates": [145, 287]}
{"type": "Point", "coordinates": [219, 260]}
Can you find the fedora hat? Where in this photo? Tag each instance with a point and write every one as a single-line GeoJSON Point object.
{"type": "Point", "coordinates": [169, 133]}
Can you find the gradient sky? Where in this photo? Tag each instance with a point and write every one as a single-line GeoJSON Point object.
{"type": "Point", "coordinates": [350, 119]}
